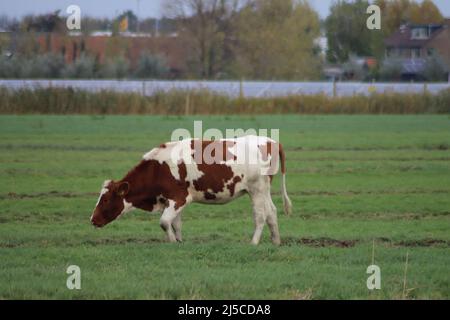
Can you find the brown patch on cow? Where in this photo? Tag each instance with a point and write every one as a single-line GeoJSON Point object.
{"type": "Point", "coordinates": [232, 185]}
{"type": "Point", "coordinates": [207, 151]}
{"type": "Point", "coordinates": [216, 175]}
{"type": "Point", "coordinates": [182, 170]}
{"type": "Point", "coordinates": [151, 179]}
{"type": "Point", "coordinates": [209, 196]}
{"type": "Point", "coordinates": [163, 146]}
{"type": "Point", "coordinates": [266, 150]}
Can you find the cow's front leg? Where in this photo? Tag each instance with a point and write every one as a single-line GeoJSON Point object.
{"type": "Point", "coordinates": [169, 215]}
{"type": "Point", "coordinates": [176, 224]}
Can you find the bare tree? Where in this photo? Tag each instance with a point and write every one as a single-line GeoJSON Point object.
{"type": "Point", "coordinates": [206, 27]}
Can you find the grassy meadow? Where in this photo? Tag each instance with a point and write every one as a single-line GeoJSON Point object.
{"type": "Point", "coordinates": [355, 181]}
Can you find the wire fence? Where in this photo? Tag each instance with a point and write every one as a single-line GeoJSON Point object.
{"type": "Point", "coordinates": [233, 88]}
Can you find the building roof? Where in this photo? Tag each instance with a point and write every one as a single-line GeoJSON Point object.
{"type": "Point", "coordinates": [402, 37]}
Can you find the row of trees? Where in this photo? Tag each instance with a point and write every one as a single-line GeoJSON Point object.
{"type": "Point", "coordinates": [275, 39]}
{"type": "Point", "coordinates": [53, 66]}
{"type": "Point", "coordinates": [253, 39]}
{"type": "Point", "coordinates": [257, 39]}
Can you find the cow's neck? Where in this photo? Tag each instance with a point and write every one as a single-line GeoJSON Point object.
{"type": "Point", "coordinates": [142, 193]}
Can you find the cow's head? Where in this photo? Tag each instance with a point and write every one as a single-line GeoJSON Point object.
{"type": "Point", "coordinates": [111, 203]}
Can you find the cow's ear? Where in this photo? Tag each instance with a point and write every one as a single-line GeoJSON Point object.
{"type": "Point", "coordinates": [123, 188]}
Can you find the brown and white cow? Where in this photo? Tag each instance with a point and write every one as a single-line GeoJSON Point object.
{"type": "Point", "coordinates": [212, 172]}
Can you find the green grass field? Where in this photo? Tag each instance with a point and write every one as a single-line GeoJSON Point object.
{"type": "Point", "coordinates": [353, 180]}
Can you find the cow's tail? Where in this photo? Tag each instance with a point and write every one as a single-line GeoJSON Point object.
{"type": "Point", "coordinates": [287, 204]}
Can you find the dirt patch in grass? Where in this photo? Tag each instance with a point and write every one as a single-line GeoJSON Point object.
{"type": "Point", "coordinates": [319, 242]}
{"type": "Point", "coordinates": [124, 241]}
{"type": "Point", "coordinates": [65, 147]}
{"type": "Point", "coordinates": [441, 146]}
{"type": "Point", "coordinates": [360, 192]}
{"type": "Point", "coordinates": [50, 194]}
{"type": "Point", "coordinates": [343, 243]}
{"type": "Point", "coordinates": [429, 242]}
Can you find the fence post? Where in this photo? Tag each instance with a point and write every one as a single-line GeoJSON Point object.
{"type": "Point", "coordinates": [187, 105]}
{"type": "Point", "coordinates": [143, 88]}
{"type": "Point", "coordinates": [425, 88]}
{"type": "Point", "coordinates": [334, 88]}
{"type": "Point", "coordinates": [241, 88]}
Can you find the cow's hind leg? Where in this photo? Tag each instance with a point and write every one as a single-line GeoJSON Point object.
{"type": "Point", "coordinates": [176, 225]}
{"type": "Point", "coordinates": [168, 217]}
{"type": "Point", "coordinates": [259, 218]}
{"type": "Point", "coordinates": [272, 221]}
{"type": "Point", "coordinates": [264, 211]}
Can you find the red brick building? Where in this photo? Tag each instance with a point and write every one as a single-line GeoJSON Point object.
{"type": "Point", "coordinates": [103, 46]}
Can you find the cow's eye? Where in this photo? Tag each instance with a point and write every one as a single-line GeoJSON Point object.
{"type": "Point", "coordinates": [105, 200]}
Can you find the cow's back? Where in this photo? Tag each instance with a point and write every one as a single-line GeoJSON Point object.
{"type": "Point", "coordinates": [217, 171]}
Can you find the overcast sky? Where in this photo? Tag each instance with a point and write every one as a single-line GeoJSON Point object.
{"type": "Point", "coordinates": [111, 8]}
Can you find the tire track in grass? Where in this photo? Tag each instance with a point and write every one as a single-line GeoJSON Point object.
{"type": "Point", "coordinates": [393, 159]}
{"type": "Point", "coordinates": [329, 242]}
{"type": "Point", "coordinates": [319, 242]}
{"type": "Point", "coordinates": [63, 194]}
{"type": "Point", "coordinates": [441, 146]}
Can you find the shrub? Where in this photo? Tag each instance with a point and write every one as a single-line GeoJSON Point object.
{"type": "Point", "coordinates": [435, 69]}
{"type": "Point", "coordinates": [10, 67]}
{"type": "Point", "coordinates": [83, 68]}
{"type": "Point", "coordinates": [118, 68]}
{"type": "Point", "coordinates": [151, 66]}
{"type": "Point", "coordinates": [48, 66]}
{"type": "Point", "coordinates": [391, 70]}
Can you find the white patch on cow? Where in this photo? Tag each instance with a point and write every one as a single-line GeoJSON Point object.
{"type": "Point", "coordinates": [127, 207]}
{"type": "Point", "coordinates": [104, 190]}
{"type": "Point", "coordinates": [151, 154]}
{"type": "Point", "coordinates": [173, 154]}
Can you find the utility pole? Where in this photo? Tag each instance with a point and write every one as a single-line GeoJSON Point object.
{"type": "Point", "coordinates": [138, 29]}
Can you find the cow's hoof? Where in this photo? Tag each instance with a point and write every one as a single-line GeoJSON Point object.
{"type": "Point", "coordinates": [276, 242]}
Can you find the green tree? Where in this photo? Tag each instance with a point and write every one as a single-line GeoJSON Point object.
{"type": "Point", "coordinates": [275, 40]}
{"type": "Point", "coordinates": [346, 30]}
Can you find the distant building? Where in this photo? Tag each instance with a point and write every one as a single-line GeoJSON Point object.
{"type": "Point", "coordinates": [322, 45]}
{"type": "Point", "coordinates": [413, 44]}
{"type": "Point", "coordinates": [103, 46]}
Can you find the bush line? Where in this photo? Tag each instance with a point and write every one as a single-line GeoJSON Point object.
{"type": "Point", "coordinates": [72, 101]}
